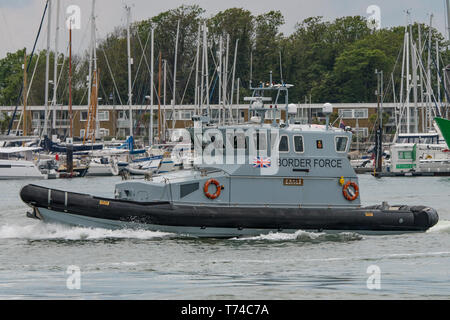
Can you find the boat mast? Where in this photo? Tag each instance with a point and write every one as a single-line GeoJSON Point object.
{"type": "Point", "coordinates": [421, 77]}
{"type": "Point", "coordinates": [232, 79]}
{"type": "Point", "coordinates": [205, 47]}
{"type": "Point", "coordinates": [220, 74]}
{"type": "Point", "coordinates": [438, 78]}
{"type": "Point", "coordinates": [448, 18]}
{"type": "Point", "coordinates": [202, 79]}
{"type": "Point", "coordinates": [91, 48]}
{"type": "Point", "coordinates": [174, 75]}
{"type": "Point", "coordinates": [225, 83]}
{"type": "Point", "coordinates": [164, 99]}
{"type": "Point", "coordinates": [399, 120]}
{"type": "Point", "coordinates": [55, 68]}
{"type": "Point", "coordinates": [152, 82]}
{"type": "Point", "coordinates": [70, 81]}
{"type": "Point", "coordinates": [159, 98]}
{"type": "Point", "coordinates": [408, 87]}
{"type": "Point", "coordinates": [25, 93]}
{"type": "Point", "coordinates": [94, 52]}
{"type": "Point", "coordinates": [428, 113]}
{"type": "Point", "coordinates": [128, 9]}
{"type": "Point", "coordinates": [197, 58]}
{"type": "Point", "coordinates": [414, 78]}
{"type": "Point", "coordinates": [47, 66]}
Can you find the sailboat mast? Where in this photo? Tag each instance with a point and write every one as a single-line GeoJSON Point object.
{"type": "Point", "coordinates": [428, 113]}
{"type": "Point", "coordinates": [438, 82]}
{"type": "Point", "coordinates": [232, 79]}
{"type": "Point", "coordinates": [70, 82]}
{"type": "Point", "coordinates": [164, 98]}
{"type": "Point", "coordinates": [414, 78]}
{"type": "Point", "coordinates": [202, 80]}
{"type": "Point", "coordinates": [220, 75]}
{"type": "Point", "coordinates": [159, 98]}
{"type": "Point", "coordinates": [129, 70]}
{"type": "Point", "coordinates": [197, 58]}
{"type": "Point", "coordinates": [152, 82]}
{"type": "Point", "coordinates": [91, 48]}
{"type": "Point", "coordinates": [55, 68]}
{"type": "Point", "coordinates": [421, 78]}
{"type": "Point", "coordinates": [175, 67]}
{"type": "Point", "coordinates": [408, 111]}
{"type": "Point", "coordinates": [47, 66]}
{"type": "Point", "coordinates": [448, 18]}
{"type": "Point", "coordinates": [25, 93]}
{"type": "Point", "coordinates": [94, 53]}
{"type": "Point", "coordinates": [205, 47]}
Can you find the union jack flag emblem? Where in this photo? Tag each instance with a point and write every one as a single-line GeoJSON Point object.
{"type": "Point", "coordinates": [260, 162]}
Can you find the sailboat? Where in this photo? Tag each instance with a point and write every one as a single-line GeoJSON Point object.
{"type": "Point", "coordinates": [418, 151]}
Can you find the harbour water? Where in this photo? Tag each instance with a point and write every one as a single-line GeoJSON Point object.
{"type": "Point", "coordinates": [136, 264]}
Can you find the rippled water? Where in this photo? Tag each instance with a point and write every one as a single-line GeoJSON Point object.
{"type": "Point", "coordinates": [130, 264]}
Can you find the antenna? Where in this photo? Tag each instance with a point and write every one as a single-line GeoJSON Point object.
{"type": "Point", "coordinates": [251, 68]}
{"type": "Point", "coordinates": [281, 70]}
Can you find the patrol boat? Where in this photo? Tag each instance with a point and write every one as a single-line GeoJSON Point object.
{"type": "Point", "coordinates": [247, 180]}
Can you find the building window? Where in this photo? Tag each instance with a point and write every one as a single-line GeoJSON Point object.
{"type": "Point", "coordinates": [361, 113]}
{"type": "Point", "coordinates": [354, 113]}
{"type": "Point", "coordinates": [104, 132]}
{"type": "Point", "coordinates": [184, 115]}
{"type": "Point", "coordinates": [83, 115]}
{"type": "Point", "coordinates": [122, 115]}
{"type": "Point", "coordinates": [103, 116]}
{"type": "Point", "coordinates": [273, 114]}
{"type": "Point", "coordinates": [361, 132]}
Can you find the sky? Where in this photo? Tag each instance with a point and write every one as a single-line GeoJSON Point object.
{"type": "Point", "coordinates": [20, 19]}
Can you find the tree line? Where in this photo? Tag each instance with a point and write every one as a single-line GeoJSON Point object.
{"type": "Point", "coordinates": [326, 61]}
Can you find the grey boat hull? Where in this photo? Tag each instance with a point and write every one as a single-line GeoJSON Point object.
{"type": "Point", "coordinates": [219, 221]}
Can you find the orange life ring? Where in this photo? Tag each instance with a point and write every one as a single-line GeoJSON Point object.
{"type": "Point", "coordinates": [218, 189]}
{"type": "Point", "coordinates": [347, 194]}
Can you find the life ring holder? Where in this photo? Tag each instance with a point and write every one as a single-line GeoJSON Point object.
{"type": "Point", "coordinates": [218, 189]}
{"type": "Point", "coordinates": [347, 195]}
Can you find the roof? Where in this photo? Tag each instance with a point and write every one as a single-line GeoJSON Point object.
{"type": "Point", "coordinates": [18, 149]}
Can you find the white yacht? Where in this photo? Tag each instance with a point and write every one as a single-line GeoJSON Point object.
{"type": "Point", "coordinates": [18, 163]}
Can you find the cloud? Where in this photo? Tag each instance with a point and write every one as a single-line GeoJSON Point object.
{"type": "Point", "coordinates": [14, 3]}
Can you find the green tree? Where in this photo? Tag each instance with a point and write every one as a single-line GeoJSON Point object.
{"type": "Point", "coordinates": [354, 74]}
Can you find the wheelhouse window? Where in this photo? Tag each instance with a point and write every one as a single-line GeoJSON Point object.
{"type": "Point", "coordinates": [298, 144]}
{"type": "Point", "coordinates": [341, 144]}
{"type": "Point", "coordinates": [284, 144]}
{"type": "Point", "coordinates": [260, 141]}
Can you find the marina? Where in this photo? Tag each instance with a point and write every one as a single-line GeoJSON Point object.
{"type": "Point", "coordinates": [196, 154]}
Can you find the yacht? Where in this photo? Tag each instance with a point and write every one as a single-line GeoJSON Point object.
{"type": "Point", "coordinates": [18, 163]}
